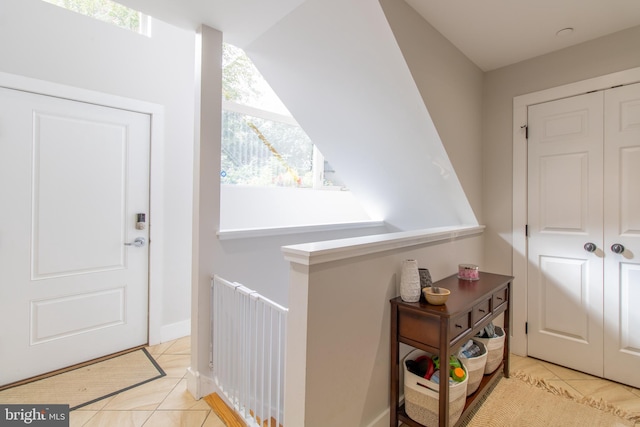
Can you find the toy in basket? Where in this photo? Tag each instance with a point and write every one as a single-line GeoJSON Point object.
{"type": "Point", "coordinates": [474, 356]}
{"type": "Point", "coordinates": [421, 395]}
{"type": "Point", "coordinates": [495, 346]}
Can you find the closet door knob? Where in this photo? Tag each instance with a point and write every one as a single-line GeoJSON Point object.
{"type": "Point", "coordinates": [590, 247]}
{"type": "Point", "coordinates": [617, 248]}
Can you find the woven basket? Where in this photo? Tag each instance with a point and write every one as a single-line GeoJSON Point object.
{"type": "Point", "coordinates": [475, 366]}
{"type": "Point", "coordinates": [421, 396]}
{"type": "Point", "coordinates": [495, 350]}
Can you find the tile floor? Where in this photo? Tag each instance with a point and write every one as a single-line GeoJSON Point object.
{"type": "Point", "coordinates": [164, 402]}
{"type": "Point", "coordinates": [579, 384]}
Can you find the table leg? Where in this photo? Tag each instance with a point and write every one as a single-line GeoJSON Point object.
{"type": "Point", "coordinates": [395, 367]}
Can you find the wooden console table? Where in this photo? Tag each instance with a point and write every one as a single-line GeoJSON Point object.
{"type": "Point", "coordinates": [442, 329]}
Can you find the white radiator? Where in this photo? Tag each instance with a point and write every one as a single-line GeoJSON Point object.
{"type": "Point", "coordinates": [248, 346]}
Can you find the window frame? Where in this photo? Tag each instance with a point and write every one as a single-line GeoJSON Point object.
{"type": "Point", "coordinates": [144, 27]}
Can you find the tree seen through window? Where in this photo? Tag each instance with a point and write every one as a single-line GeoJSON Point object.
{"type": "Point", "coordinates": [262, 145]}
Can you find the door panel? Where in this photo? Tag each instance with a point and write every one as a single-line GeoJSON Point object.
{"type": "Point", "coordinates": [565, 212]}
{"type": "Point", "coordinates": [629, 313]}
{"type": "Point", "coordinates": [629, 202]}
{"type": "Point", "coordinates": [73, 176]}
{"type": "Point", "coordinates": [56, 318]}
{"type": "Point", "coordinates": [622, 226]}
{"type": "Point", "coordinates": [64, 149]}
{"type": "Point", "coordinates": [564, 187]}
{"type": "Point", "coordinates": [562, 294]}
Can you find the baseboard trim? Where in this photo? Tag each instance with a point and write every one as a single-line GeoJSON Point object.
{"type": "Point", "coordinates": [193, 383]}
{"type": "Point", "coordinates": [382, 420]}
{"type": "Point", "coordinates": [176, 330]}
{"type": "Point", "coordinates": [199, 385]}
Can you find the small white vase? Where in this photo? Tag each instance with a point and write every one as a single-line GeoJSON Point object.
{"type": "Point", "coordinates": [410, 281]}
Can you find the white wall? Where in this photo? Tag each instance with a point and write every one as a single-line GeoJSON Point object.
{"type": "Point", "coordinates": [256, 262]}
{"type": "Point", "coordinates": [46, 42]}
{"type": "Point", "coordinates": [338, 68]}
{"type": "Point", "coordinates": [267, 207]}
{"type": "Point", "coordinates": [338, 366]}
{"type": "Point", "coordinates": [451, 87]}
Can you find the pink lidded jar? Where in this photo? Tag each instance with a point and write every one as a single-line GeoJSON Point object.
{"type": "Point", "coordinates": [468, 272]}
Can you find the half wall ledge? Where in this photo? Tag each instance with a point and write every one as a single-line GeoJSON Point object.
{"type": "Point", "coordinates": [334, 250]}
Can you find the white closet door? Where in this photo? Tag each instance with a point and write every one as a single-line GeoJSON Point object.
{"type": "Point", "coordinates": [565, 302]}
{"type": "Point", "coordinates": [622, 227]}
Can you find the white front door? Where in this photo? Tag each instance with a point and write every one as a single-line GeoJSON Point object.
{"type": "Point", "coordinates": [73, 177]}
{"type": "Point", "coordinates": [584, 233]}
{"type": "Point", "coordinates": [622, 227]}
{"type": "Point", "coordinates": [565, 213]}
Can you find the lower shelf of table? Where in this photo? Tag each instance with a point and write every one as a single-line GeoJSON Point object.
{"type": "Point", "coordinates": [472, 401]}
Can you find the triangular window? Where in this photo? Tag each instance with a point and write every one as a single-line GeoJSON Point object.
{"type": "Point", "coordinates": [262, 145]}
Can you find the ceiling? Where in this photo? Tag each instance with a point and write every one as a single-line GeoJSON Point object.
{"type": "Point", "coordinates": [495, 33]}
{"type": "Point", "coordinates": [492, 33]}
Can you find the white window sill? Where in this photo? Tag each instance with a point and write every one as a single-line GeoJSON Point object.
{"type": "Point", "coordinates": [279, 231]}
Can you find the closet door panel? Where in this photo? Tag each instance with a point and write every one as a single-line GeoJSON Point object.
{"type": "Point", "coordinates": [565, 213]}
{"type": "Point", "coordinates": [622, 228]}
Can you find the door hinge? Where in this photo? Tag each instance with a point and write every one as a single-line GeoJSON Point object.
{"type": "Point", "coordinates": [526, 328]}
{"type": "Point", "coordinates": [526, 131]}
{"type": "Point", "coordinates": [526, 230]}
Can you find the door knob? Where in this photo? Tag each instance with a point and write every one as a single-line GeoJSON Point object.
{"type": "Point", "coordinates": [590, 247]}
{"type": "Point", "coordinates": [617, 248]}
{"type": "Point", "coordinates": [138, 242]}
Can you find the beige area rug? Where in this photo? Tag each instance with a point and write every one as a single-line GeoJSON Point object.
{"type": "Point", "coordinates": [524, 401]}
{"type": "Point", "coordinates": [90, 383]}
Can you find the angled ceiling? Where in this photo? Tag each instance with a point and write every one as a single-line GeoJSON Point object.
{"type": "Point", "coordinates": [492, 33]}
{"type": "Point", "coordinates": [366, 114]}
